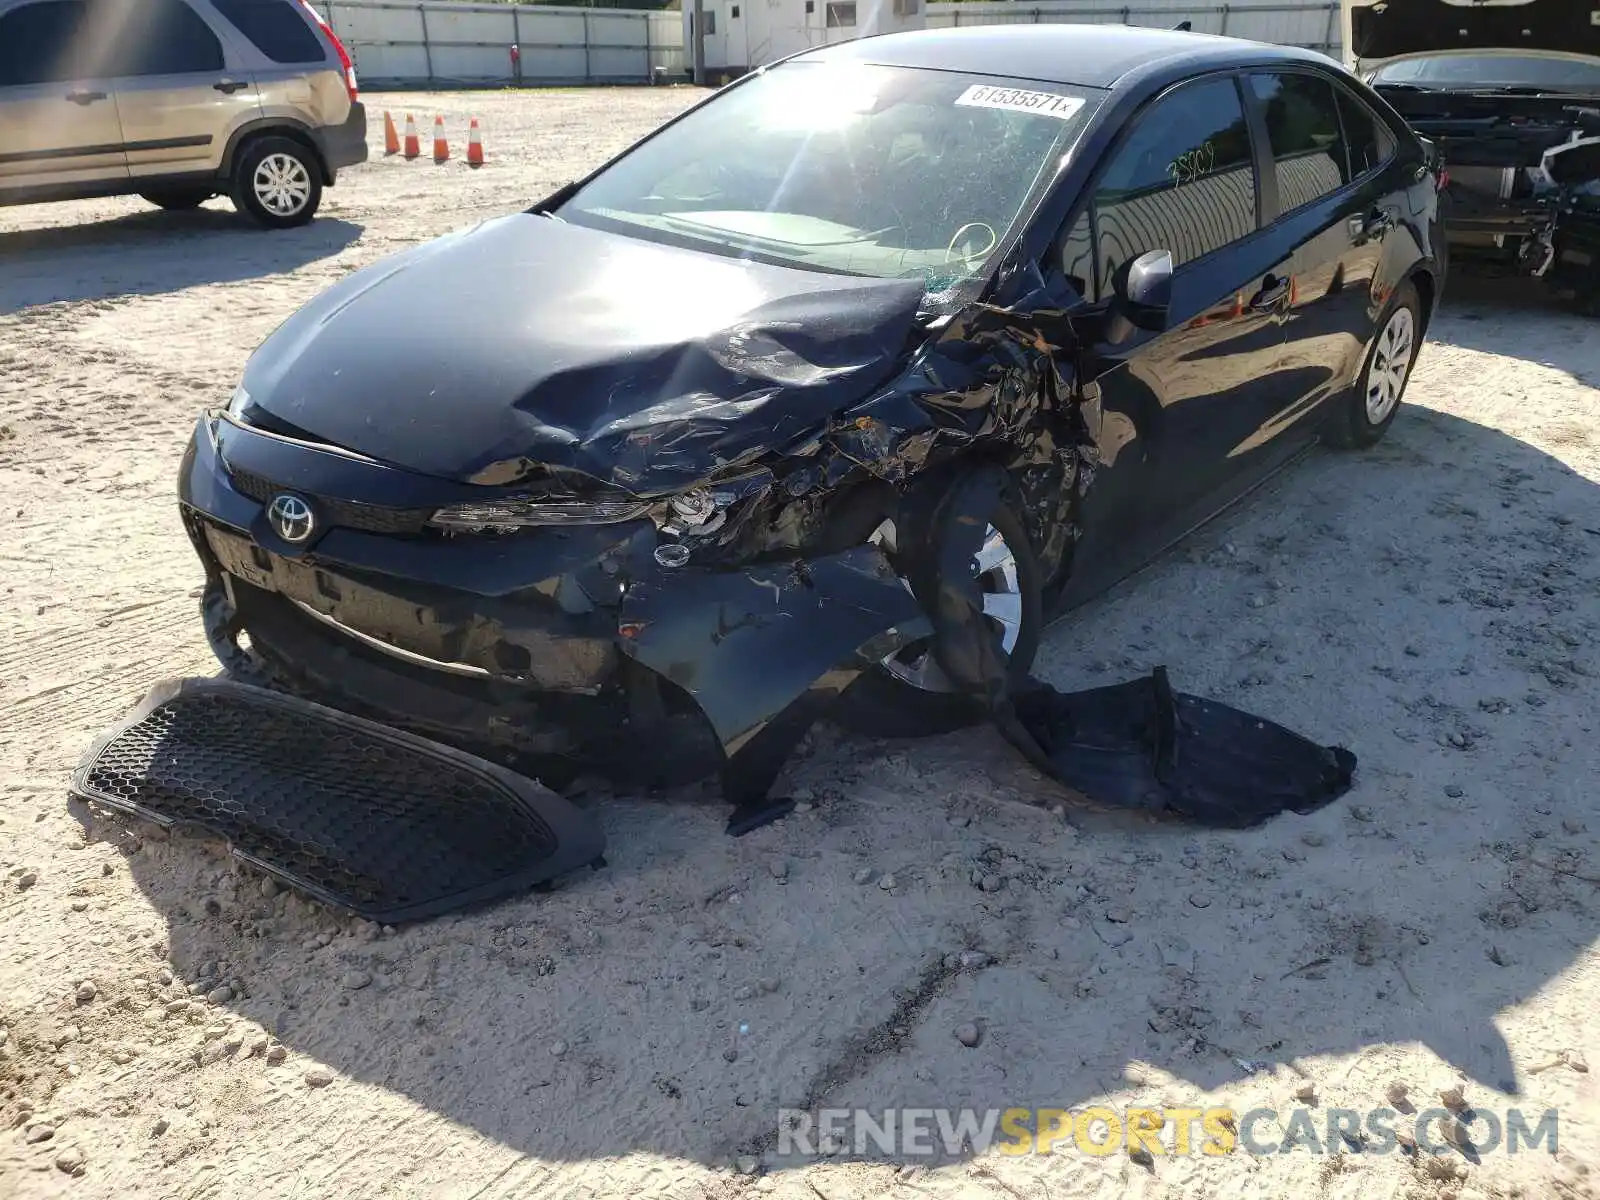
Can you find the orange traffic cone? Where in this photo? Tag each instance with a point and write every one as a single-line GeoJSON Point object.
{"type": "Point", "coordinates": [474, 145]}
{"type": "Point", "coordinates": [412, 148]}
{"type": "Point", "coordinates": [441, 148]}
{"type": "Point", "coordinates": [391, 139]}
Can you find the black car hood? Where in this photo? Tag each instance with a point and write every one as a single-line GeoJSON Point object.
{"type": "Point", "coordinates": [1421, 26]}
{"type": "Point", "coordinates": [527, 341]}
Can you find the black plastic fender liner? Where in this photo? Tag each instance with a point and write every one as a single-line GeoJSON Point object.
{"type": "Point", "coordinates": [1141, 745]}
{"type": "Point", "coordinates": [366, 818]}
{"type": "Point", "coordinates": [1132, 745]}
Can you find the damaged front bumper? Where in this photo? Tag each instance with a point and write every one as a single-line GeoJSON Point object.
{"type": "Point", "coordinates": [1533, 195]}
{"type": "Point", "coordinates": [561, 650]}
{"type": "Point", "coordinates": [1550, 235]}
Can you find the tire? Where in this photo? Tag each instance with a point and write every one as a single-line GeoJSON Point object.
{"type": "Point", "coordinates": [176, 199]}
{"type": "Point", "coordinates": [1367, 412]}
{"type": "Point", "coordinates": [903, 698]}
{"type": "Point", "coordinates": [277, 182]}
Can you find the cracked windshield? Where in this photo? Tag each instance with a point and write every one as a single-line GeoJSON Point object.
{"type": "Point", "coordinates": [874, 171]}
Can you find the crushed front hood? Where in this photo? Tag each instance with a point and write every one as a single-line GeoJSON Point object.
{"type": "Point", "coordinates": [527, 341]}
{"type": "Point", "coordinates": [1401, 27]}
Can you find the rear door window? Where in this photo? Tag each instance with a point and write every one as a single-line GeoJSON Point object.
{"type": "Point", "coordinates": [1308, 150]}
{"type": "Point", "coordinates": [41, 43]}
{"type": "Point", "coordinates": [1184, 181]}
{"type": "Point", "coordinates": [1371, 143]}
{"type": "Point", "coordinates": [165, 37]}
{"type": "Point", "coordinates": [274, 28]}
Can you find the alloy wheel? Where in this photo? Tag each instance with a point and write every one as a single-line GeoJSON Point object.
{"type": "Point", "coordinates": [996, 569]}
{"type": "Point", "coordinates": [282, 184]}
{"type": "Point", "coordinates": [1391, 363]}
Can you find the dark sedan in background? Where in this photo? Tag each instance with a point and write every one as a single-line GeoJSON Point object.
{"type": "Point", "coordinates": [686, 446]}
{"type": "Point", "coordinates": [1510, 94]}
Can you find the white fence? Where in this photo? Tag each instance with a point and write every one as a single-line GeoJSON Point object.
{"type": "Point", "coordinates": [1315, 25]}
{"type": "Point", "coordinates": [443, 43]}
{"type": "Point", "coordinates": [437, 43]}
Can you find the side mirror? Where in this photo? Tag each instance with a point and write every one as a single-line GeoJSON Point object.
{"type": "Point", "coordinates": [1142, 296]}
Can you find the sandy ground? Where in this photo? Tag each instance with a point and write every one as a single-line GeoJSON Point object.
{"type": "Point", "coordinates": [1433, 604]}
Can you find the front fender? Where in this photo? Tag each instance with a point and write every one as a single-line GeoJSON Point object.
{"type": "Point", "coordinates": [764, 650]}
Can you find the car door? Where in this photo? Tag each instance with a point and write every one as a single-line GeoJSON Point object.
{"type": "Point", "coordinates": [180, 87]}
{"type": "Point", "coordinates": [1166, 407]}
{"type": "Point", "coordinates": [1332, 218]}
{"type": "Point", "coordinates": [1373, 150]}
{"type": "Point", "coordinates": [58, 120]}
{"type": "Point", "coordinates": [296, 71]}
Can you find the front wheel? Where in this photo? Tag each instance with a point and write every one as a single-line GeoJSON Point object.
{"type": "Point", "coordinates": [277, 183]}
{"type": "Point", "coordinates": [1369, 409]}
{"type": "Point", "coordinates": [907, 695]}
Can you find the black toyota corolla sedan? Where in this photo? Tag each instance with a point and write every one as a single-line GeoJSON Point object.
{"type": "Point", "coordinates": [679, 453]}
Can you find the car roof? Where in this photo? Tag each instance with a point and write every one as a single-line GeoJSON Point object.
{"type": "Point", "coordinates": [1088, 55]}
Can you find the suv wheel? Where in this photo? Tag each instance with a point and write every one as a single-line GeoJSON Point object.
{"type": "Point", "coordinates": [179, 197]}
{"type": "Point", "coordinates": [277, 182]}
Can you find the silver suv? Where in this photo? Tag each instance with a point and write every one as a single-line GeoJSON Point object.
{"type": "Point", "coordinates": [176, 101]}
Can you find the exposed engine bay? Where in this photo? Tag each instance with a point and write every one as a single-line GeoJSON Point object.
{"type": "Point", "coordinates": [1509, 93]}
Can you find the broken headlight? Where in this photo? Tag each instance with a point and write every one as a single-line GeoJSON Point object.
{"type": "Point", "coordinates": [523, 512]}
{"type": "Point", "coordinates": [696, 513]}
{"type": "Point", "coordinates": [701, 512]}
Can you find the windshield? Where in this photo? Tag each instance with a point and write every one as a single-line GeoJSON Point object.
{"type": "Point", "coordinates": [864, 170]}
{"type": "Point", "coordinates": [1467, 72]}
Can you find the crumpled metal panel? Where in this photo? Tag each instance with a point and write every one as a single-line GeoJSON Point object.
{"type": "Point", "coordinates": [640, 366]}
{"type": "Point", "coordinates": [763, 650]}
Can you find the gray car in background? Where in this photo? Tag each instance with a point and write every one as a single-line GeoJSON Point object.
{"type": "Point", "coordinates": [176, 101]}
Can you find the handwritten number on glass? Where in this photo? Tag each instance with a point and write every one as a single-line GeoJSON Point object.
{"type": "Point", "coordinates": [1192, 164]}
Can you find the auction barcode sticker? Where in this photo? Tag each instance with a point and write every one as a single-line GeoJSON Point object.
{"type": "Point", "coordinates": [1046, 104]}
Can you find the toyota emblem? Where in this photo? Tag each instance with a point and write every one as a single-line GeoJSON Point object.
{"type": "Point", "coordinates": [291, 517]}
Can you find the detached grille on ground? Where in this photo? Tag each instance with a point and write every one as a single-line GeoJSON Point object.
{"type": "Point", "coordinates": [382, 823]}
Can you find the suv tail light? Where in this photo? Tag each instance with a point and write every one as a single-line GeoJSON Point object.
{"type": "Point", "coordinates": [345, 64]}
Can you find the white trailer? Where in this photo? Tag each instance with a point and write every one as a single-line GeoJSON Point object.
{"type": "Point", "coordinates": [741, 35]}
{"type": "Point", "coordinates": [1313, 24]}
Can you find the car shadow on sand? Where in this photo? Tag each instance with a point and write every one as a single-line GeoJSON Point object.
{"type": "Point", "coordinates": [150, 253]}
{"type": "Point", "coordinates": [1420, 603]}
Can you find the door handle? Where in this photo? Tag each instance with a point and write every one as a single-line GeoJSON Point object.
{"type": "Point", "coordinates": [1273, 291]}
{"type": "Point", "coordinates": [230, 86]}
{"type": "Point", "coordinates": [82, 97]}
